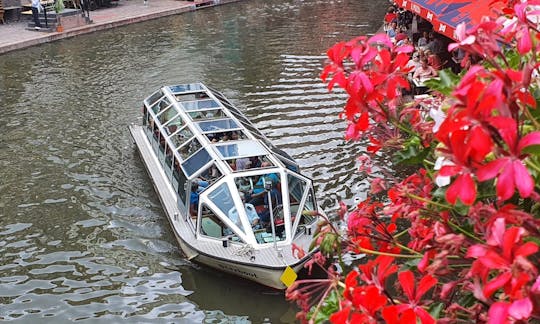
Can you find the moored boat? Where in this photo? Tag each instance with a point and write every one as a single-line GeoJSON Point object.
{"type": "Point", "coordinates": [235, 202]}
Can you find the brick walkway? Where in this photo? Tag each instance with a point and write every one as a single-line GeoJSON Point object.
{"type": "Point", "coordinates": [14, 35]}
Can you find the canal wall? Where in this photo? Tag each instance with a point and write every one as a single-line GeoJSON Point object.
{"type": "Point", "coordinates": [16, 35]}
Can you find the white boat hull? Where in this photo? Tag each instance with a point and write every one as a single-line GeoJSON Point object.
{"type": "Point", "coordinates": [264, 266]}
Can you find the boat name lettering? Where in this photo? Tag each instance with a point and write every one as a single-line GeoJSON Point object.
{"type": "Point", "coordinates": [236, 270]}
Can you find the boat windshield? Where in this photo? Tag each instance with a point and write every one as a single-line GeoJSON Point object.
{"type": "Point", "coordinates": [246, 207]}
{"type": "Point", "coordinates": [240, 149]}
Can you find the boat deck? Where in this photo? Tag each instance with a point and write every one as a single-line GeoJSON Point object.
{"type": "Point", "coordinates": [183, 227]}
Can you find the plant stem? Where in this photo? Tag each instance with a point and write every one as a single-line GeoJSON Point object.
{"type": "Point", "coordinates": [532, 165]}
{"type": "Point", "coordinates": [468, 234]}
{"type": "Point", "coordinates": [429, 201]}
{"type": "Point", "coordinates": [403, 247]}
{"type": "Point", "coordinates": [389, 254]}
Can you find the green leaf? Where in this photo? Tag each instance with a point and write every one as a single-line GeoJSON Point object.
{"type": "Point", "coordinates": [413, 153]}
{"type": "Point", "coordinates": [533, 149]}
{"type": "Point", "coordinates": [446, 83]}
{"type": "Point", "coordinates": [411, 264]}
{"type": "Point", "coordinates": [435, 310]}
{"type": "Point", "coordinates": [329, 307]}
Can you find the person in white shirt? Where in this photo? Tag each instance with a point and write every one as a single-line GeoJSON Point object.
{"type": "Point", "coordinates": [252, 215]}
{"type": "Point", "coordinates": [413, 63]}
{"type": "Point", "coordinates": [36, 9]}
{"type": "Point", "coordinates": [424, 71]}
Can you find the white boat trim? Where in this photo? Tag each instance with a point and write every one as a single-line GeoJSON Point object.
{"type": "Point", "coordinates": [234, 247]}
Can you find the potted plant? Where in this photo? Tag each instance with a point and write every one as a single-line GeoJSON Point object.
{"type": "Point", "coordinates": [58, 8]}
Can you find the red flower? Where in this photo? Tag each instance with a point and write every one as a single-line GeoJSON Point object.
{"type": "Point", "coordinates": [375, 272]}
{"type": "Point", "coordinates": [407, 280]}
{"type": "Point", "coordinates": [509, 169]}
{"type": "Point", "coordinates": [506, 254]}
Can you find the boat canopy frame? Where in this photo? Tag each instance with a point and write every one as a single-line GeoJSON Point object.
{"type": "Point", "coordinates": [186, 125]}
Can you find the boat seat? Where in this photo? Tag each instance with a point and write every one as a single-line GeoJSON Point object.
{"type": "Point", "coordinates": [210, 228]}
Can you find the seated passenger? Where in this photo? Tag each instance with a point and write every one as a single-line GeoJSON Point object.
{"type": "Point", "coordinates": [255, 162]}
{"type": "Point", "coordinates": [251, 213]}
{"type": "Point", "coordinates": [194, 199]}
{"type": "Point", "coordinates": [243, 184]}
{"type": "Point", "coordinates": [259, 191]}
{"type": "Point", "coordinates": [242, 164]}
{"type": "Point", "coordinates": [275, 196]}
{"type": "Point", "coordinates": [201, 184]}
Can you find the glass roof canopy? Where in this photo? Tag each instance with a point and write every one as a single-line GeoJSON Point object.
{"type": "Point", "coordinates": [198, 123]}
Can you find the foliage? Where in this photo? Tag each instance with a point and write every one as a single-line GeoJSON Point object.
{"type": "Point", "coordinates": [456, 240]}
{"type": "Point", "coordinates": [59, 6]}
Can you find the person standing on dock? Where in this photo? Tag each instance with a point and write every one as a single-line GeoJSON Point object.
{"type": "Point", "coordinates": [36, 9]}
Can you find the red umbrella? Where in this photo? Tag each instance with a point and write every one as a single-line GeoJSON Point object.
{"type": "Point", "coordinates": [430, 10]}
{"type": "Point", "coordinates": [445, 15]}
{"type": "Point", "coordinates": [470, 14]}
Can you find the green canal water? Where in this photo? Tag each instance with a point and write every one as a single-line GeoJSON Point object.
{"type": "Point", "coordinates": [83, 237]}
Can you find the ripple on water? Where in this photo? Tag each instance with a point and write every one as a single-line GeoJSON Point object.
{"type": "Point", "coordinates": [83, 236]}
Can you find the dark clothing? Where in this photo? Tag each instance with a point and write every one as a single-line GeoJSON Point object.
{"type": "Point", "coordinates": [276, 200]}
{"type": "Point", "coordinates": [35, 15]}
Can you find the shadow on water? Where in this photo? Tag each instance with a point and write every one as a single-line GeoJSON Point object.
{"type": "Point", "coordinates": [83, 237]}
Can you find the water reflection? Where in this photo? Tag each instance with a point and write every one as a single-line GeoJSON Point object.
{"type": "Point", "coordinates": [82, 233]}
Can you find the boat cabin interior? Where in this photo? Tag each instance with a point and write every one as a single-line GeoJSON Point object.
{"type": "Point", "coordinates": [231, 183]}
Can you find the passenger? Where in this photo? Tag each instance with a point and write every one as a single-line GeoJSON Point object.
{"type": "Point", "coordinates": [225, 137]}
{"type": "Point", "coordinates": [275, 196]}
{"type": "Point", "coordinates": [194, 199]}
{"type": "Point", "coordinates": [201, 184]}
{"type": "Point", "coordinates": [259, 189]}
{"type": "Point", "coordinates": [232, 164]}
{"type": "Point", "coordinates": [243, 164]}
{"type": "Point", "coordinates": [424, 71]}
{"type": "Point", "coordinates": [235, 136]}
{"type": "Point", "coordinates": [255, 162]}
{"type": "Point", "coordinates": [243, 184]}
{"type": "Point", "coordinates": [251, 213]}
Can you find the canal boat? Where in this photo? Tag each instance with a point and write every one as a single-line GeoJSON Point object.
{"type": "Point", "coordinates": [235, 201]}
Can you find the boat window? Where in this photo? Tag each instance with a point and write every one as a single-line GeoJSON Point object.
{"type": "Point", "coordinates": [161, 105]}
{"type": "Point", "coordinates": [186, 87]}
{"type": "Point", "coordinates": [167, 114]}
{"type": "Point", "coordinates": [146, 115]}
{"type": "Point", "coordinates": [213, 226]}
{"type": "Point", "coordinates": [207, 114]}
{"type": "Point", "coordinates": [246, 163]}
{"type": "Point", "coordinates": [211, 174]}
{"type": "Point", "coordinates": [196, 161]}
{"type": "Point", "coordinates": [297, 188]}
{"type": "Point", "coordinates": [181, 136]}
{"type": "Point", "coordinates": [226, 136]}
{"type": "Point", "coordinates": [173, 125]}
{"type": "Point", "coordinates": [289, 164]}
{"type": "Point", "coordinates": [240, 149]}
{"type": "Point", "coordinates": [179, 181]}
{"type": "Point", "coordinates": [168, 158]}
{"type": "Point", "coordinates": [222, 198]}
{"type": "Point", "coordinates": [199, 104]}
{"type": "Point", "coordinates": [217, 125]}
{"type": "Point", "coordinates": [153, 98]}
{"type": "Point", "coordinates": [191, 96]}
{"type": "Point", "coordinates": [308, 212]}
{"type": "Point", "coordinates": [189, 148]}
